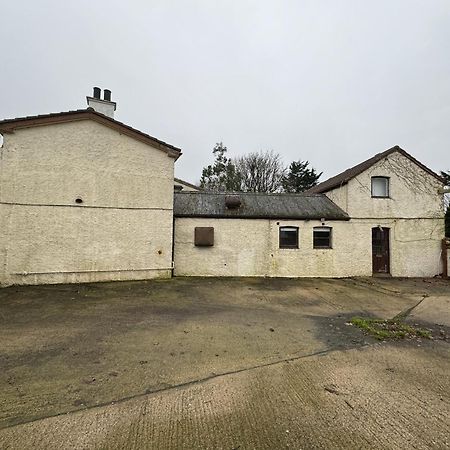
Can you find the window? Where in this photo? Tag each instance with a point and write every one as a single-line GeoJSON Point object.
{"type": "Point", "coordinates": [288, 237]}
{"type": "Point", "coordinates": [322, 237]}
{"type": "Point", "coordinates": [380, 187]}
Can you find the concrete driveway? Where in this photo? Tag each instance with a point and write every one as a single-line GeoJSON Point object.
{"type": "Point", "coordinates": [221, 363]}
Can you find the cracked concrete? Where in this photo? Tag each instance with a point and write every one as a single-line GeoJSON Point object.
{"type": "Point", "coordinates": [434, 310]}
{"type": "Point", "coordinates": [186, 363]}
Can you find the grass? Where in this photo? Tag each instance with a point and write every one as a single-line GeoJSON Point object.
{"type": "Point", "coordinates": [389, 329]}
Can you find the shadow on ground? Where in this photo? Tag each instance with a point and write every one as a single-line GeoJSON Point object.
{"type": "Point", "coordinates": [72, 347]}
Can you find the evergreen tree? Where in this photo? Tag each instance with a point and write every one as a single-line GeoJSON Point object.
{"type": "Point", "coordinates": [300, 177]}
{"type": "Point", "coordinates": [220, 176]}
{"type": "Point", "coordinates": [446, 177]}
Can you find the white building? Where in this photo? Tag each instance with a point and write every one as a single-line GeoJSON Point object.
{"type": "Point", "coordinates": [85, 198]}
{"type": "Point", "coordinates": [385, 217]}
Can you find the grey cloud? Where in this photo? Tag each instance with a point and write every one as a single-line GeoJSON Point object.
{"type": "Point", "coordinates": [331, 82]}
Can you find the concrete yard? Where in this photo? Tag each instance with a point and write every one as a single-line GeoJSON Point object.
{"type": "Point", "coordinates": [222, 363]}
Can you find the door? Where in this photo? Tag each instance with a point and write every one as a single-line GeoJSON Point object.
{"type": "Point", "coordinates": [380, 250]}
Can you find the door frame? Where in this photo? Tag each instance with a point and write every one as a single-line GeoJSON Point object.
{"type": "Point", "coordinates": [385, 242]}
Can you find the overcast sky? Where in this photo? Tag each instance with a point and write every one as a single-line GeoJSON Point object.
{"type": "Point", "coordinates": [332, 82]}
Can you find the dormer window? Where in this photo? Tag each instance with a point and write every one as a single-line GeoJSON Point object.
{"type": "Point", "coordinates": [380, 187]}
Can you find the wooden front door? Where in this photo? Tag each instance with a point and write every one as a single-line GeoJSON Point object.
{"type": "Point", "coordinates": [380, 250]}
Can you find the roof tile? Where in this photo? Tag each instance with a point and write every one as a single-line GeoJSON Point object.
{"type": "Point", "coordinates": [257, 206]}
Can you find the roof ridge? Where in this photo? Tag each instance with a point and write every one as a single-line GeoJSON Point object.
{"type": "Point", "coordinates": [7, 125]}
{"type": "Point", "coordinates": [345, 176]}
{"type": "Point", "coordinates": [188, 183]}
{"type": "Point", "coordinates": [35, 116]}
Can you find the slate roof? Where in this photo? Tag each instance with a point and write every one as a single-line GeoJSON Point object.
{"type": "Point", "coordinates": [344, 177]}
{"type": "Point", "coordinates": [257, 206]}
{"type": "Point", "coordinates": [9, 125]}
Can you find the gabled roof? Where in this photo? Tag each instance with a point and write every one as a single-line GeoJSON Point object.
{"type": "Point", "coordinates": [9, 125]}
{"type": "Point", "coordinates": [257, 206]}
{"type": "Point", "coordinates": [344, 177]}
{"type": "Point", "coordinates": [193, 186]}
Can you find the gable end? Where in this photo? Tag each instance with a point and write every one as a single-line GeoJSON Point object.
{"type": "Point", "coordinates": [344, 177]}
{"type": "Point", "coordinates": [10, 125]}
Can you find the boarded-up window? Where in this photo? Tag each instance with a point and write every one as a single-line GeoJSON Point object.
{"type": "Point", "coordinates": [204, 236]}
{"type": "Point", "coordinates": [288, 237]}
{"type": "Point", "coordinates": [322, 237]}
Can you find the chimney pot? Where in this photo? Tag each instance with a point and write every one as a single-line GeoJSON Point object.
{"type": "Point", "coordinates": [103, 106]}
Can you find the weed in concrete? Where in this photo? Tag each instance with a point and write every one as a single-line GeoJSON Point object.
{"type": "Point", "coordinates": [389, 329]}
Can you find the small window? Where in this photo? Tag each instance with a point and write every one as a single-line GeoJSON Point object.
{"type": "Point", "coordinates": [380, 187]}
{"type": "Point", "coordinates": [322, 237]}
{"type": "Point", "coordinates": [288, 237]}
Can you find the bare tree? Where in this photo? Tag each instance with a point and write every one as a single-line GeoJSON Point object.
{"type": "Point", "coordinates": [260, 172]}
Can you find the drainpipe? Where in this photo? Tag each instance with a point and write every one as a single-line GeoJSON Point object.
{"type": "Point", "coordinates": [173, 244]}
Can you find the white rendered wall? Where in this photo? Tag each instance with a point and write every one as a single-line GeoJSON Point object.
{"type": "Point", "coordinates": [123, 228]}
{"type": "Point", "coordinates": [413, 213]}
{"type": "Point", "coordinates": [245, 247]}
{"type": "Point", "coordinates": [413, 192]}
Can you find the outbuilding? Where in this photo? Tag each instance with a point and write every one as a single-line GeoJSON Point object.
{"type": "Point", "coordinates": [384, 216]}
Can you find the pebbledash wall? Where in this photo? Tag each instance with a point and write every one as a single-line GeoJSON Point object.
{"type": "Point", "coordinates": [250, 247]}
{"type": "Point", "coordinates": [414, 213]}
{"type": "Point", "coordinates": [247, 247]}
{"type": "Point", "coordinates": [121, 230]}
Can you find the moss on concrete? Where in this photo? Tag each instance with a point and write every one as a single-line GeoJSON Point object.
{"type": "Point", "coordinates": [389, 329]}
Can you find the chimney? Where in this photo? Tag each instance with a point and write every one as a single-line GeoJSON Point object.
{"type": "Point", "coordinates": [105, 106]}
{"type": "Point", "coordinates": [232, 201]}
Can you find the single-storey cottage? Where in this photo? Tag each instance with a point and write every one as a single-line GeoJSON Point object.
{"type": "Point", "coordinates": [84, 197]}
{"type": "Point", "coordinates": [383, 217]}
